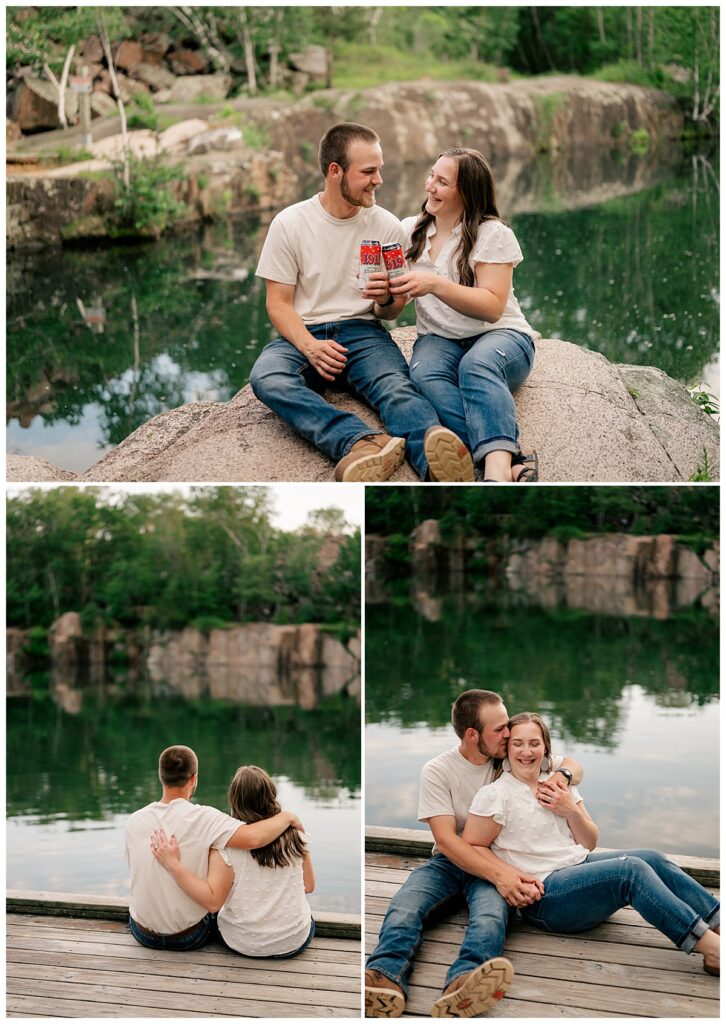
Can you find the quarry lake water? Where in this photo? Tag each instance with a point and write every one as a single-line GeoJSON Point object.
{"type": "Point", "coordinates": [618, 260]}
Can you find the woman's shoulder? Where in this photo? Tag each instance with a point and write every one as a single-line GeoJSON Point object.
{"type": "Point", "coordinates": [497, 243]}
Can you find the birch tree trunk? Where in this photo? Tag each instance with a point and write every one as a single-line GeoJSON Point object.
{"type": "Point", "coordinates": [62, 87]}
{"type": "Point", "coordinates": [249, 52]}
{"type": "Point", "coordinates": [105, 43]}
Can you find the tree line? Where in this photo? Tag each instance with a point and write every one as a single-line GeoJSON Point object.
{"type": "Point", "coordinates": [676, 48]}
{"type": "Point", "coordinates": [538, 511]}
{"type": "Point", "coordinates": [168, 560]}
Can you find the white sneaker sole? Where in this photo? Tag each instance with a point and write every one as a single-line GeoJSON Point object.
{"type": "Point", "coordinates": [484, 986]}
{"type": "Point", "coordinates": [448, 457]}
{"type": "Point", "coordinates": [377, 466]}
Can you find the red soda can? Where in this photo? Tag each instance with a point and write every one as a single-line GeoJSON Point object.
{"type": "Point", "coordinates": [394, 260]}
{"type": "Point", "coordinates": [370, 261]}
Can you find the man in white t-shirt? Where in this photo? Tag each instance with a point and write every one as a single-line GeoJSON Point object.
{"type": "Point", "coordinates": [161, 916]}
{"type": "Point", "coordinates": [480, 974]}
{"type": "Point", "coordinates": [331, 331]}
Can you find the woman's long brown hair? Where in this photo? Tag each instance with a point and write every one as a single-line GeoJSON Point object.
{"type": "Point", "coordinates": [475, 183]}
{"type": "Point", "coordinates": [253, 797]}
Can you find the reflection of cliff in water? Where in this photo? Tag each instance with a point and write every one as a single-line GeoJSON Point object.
{"type": "Point", "coordinates": [255, 664]}
{"type": "Point", "coordinates": [604, 574]}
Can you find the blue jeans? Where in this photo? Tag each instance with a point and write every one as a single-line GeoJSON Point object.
{"type": "Point", "coordinates": [199, 935]}
{"type": "Point", "coordinates": [470, 382]}
{"type": "Point", "coordinates": [579, 897]}
{"type": "Point", "coordinates": [285, 381]}
{"type": "Point", "coordinates": [434, 888]}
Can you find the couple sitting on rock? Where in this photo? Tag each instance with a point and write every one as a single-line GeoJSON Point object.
{"type": "Point", "coordinates": [454, 409]}
{"type": "Point", "coordinates": [185, 858]}
{"type": "Point", "coordinates": [511, 830]}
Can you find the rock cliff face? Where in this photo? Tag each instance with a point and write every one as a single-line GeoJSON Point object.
{"type": "Point", "coordinates": [657, 436]}
{"type": "Point", "coordinates": [609, 574]}
{"type": "Point", "coordinates": [566, 116]}
{"type": "Point", "coordinates": [255, 663]}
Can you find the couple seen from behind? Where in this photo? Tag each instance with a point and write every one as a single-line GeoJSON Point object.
{"type": "Point", "coordinates": [249, 870]}
{"type": "Point", "coordinates": [453, 411]}
{"type": "Point", "coordinates": [512, 833]}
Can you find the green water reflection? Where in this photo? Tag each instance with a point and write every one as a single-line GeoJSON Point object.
{"type": "Point", "coordinates": [635, 699]}
{"type": "Point", "coordinates": [72, 778]}
{"type": "Point", "coordinates": [634, 277]}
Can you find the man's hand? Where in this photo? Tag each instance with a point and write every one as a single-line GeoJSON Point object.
{"type": "Point", "coordinates": [518, 889]}
{"type": "Point", "coordinates": [327, 357]}
{"type": "Point", "coordinates": [377, 288]}
{"type": "Point", "coordinates": [555, 796]}
{"type": "Point", "coordinates": [295, 822]}
{"type": "Point", "coordinates": [166, 851]}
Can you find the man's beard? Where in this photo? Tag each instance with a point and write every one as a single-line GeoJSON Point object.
{"type": "Point", "coordinates": [483, 749]}
{"type": "Point", "coordinates": [345, 194]}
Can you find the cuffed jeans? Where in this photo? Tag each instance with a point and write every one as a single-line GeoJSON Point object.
{"type": "Point", "coordinates": [198, 936]}
{"type": "Point", "coordinates": [582, 896]}
{"type": "Point", "coordinates": [434, 888]}
{"type": "Point", "coordinates": [469, 382]}
{"type": "Point", "coordinates": [285, 381]}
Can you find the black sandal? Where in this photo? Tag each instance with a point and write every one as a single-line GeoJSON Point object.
{"type": "Point", "coordinates": [527, 476]}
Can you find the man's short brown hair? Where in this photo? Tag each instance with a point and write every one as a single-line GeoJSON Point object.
{"type": "Point", "coordinates": [465, 709]}
{"type": "Point", "coordinates": [334, 144]}
{"type": "Point", "coordinates": [176, 766]}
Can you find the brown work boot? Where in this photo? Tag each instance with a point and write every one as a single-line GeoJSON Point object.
{"type": "Point", "coordinates": [384, 998]}
{"type": "Point", "coordinates": [447, 455]}
{"type": "Point", "coordinates": [373, 458]}
{"type": "Point", "coordinates": [470, 994]}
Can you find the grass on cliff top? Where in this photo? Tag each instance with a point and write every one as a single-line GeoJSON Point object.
{"type": "Point", "coordinates": [357, 66]}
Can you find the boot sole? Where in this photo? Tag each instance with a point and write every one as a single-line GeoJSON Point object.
{"type": "Point", "coordinates": [383, 1002]}
{"type": "Point", "coordinates": [376, 467]}
{"type": "Point", "coordinates": [484, 986]}
{"type": "Point", "coordinates": [447, 456]}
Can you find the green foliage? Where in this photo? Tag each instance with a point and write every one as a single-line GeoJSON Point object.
{"type": "Point", "coordinates": [639, 142]}
{"type": "Point", "coordinates": [537, 512]}
{"type": "Point", "coordinates": [703, 470]}
{"type": "Point", "coordinates": [166, 560]}
{"type": "Point", "coordinates": [147, 206]}
{"type": "Point", "coordinates": [705, 401]}
{"type": "Point", "coordinates": [36, 642]}
{"type": "Point", "coordinates": [69, 155]}
{"type": "Point", "coordinates": [42, 35]}
{"type": "Point", "coordinates": [142, 113]}
{"type": "Point", "coordinates": [567, 532]}
{"type": "Point", "coordinates": [206, 623]}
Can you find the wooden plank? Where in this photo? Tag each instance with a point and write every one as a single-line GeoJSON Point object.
{"type": "Point", "coordinates": [116, 908]}
{"type": "Point", "coordinates": [55, 1000]}
{"type": "Point", "coordinates": [309, 975]}
{"type": "Point", "coordinates": [183, 985]}
{"type": "Point", "coordinates": [418, 842]}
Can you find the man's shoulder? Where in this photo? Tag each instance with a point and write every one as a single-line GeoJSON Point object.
{"type": "Point", "coordinates": [296, 211]}
{"type": "Point", "coordinates": [442, 761]}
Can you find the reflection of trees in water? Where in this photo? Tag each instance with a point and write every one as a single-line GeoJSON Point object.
{"type": "Point", "coordinates": [103, 760]}
{"type": "Point", "coordinates": [633, 277]}
{"type": "Point", "coordinates": [574, 667]}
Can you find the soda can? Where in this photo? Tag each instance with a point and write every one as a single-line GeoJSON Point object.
{"type": "Point", "coordinates": [394, 260]}
{"type": "Point", "coordinates": [370, 261]}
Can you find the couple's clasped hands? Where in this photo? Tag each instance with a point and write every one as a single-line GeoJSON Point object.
{"type": "Point", "coordinates": [517, 888]}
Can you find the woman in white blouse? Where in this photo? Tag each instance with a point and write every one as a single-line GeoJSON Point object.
{"type": "Point", "coordinates": [474, 346]}
{"type": "Point", "coordinates": [261, 893]}
{"type": "Point", "coordinates": [539, 828]}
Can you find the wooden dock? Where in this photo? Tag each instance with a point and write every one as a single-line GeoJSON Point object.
{"type": "Point", "coordinates": [73, 956]}
{"type": "Point", "coordinates": [623, 968]}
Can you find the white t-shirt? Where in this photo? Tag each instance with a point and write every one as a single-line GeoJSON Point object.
{"type": "Point", "coordinates": [320, 255]}
{"type": "Point", "coordinates": [266, 912]}
{"type": "Point", "coordinates": [157, 902]}
{"type": "Point", "coordinates": [496, 243]}
{"type": "Point", "coordinates": [533, 839]}
{"type": "Point", "coordinates": [449, 783]}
